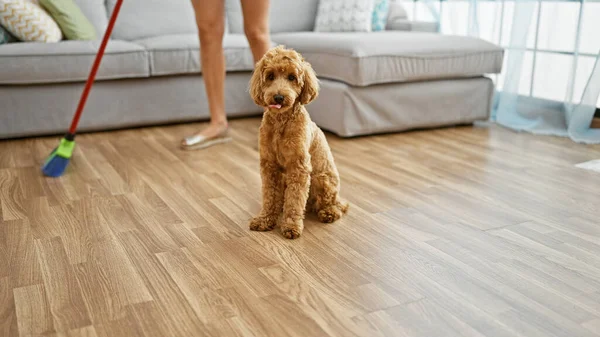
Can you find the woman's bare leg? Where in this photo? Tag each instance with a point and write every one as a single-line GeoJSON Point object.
{"type": "Point", "coordinates": [256, 26]}
{"type": "Point", "coordinates": [210, 18]}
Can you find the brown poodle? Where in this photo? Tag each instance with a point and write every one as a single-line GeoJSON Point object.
{"type": "Point", "coordinates": [296, 165]}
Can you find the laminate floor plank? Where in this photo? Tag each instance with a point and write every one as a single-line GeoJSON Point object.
{"type": "Point", "coordinates": [8, 309]}
{"type": "Point", "coordinates": [109, 282]}
{"type": "Point", "coordinates": [62, 288]}
{"type": "Point", "coordinates": [170, 301]}
{"type": "Point", "coordinates": [12, 196]}
{"type": "Point", "coordinates": [33, 312]}
{"type": "Point", "coordinates": [20, 262]}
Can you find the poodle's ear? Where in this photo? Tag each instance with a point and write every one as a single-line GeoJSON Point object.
{"type": "Point", "coordinates": [310, 89]}
{"type": "Point", "coordinates": [256, 83]}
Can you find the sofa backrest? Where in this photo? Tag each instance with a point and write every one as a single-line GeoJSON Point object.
{"type": "Point", "coordinates": [95, 11]}
{"type": "Point", "coordinates": [284, 16]}
{"type": "Point", "coordinates": [139, 19]}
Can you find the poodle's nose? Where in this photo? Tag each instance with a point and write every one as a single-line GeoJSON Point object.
{"type": "Point", "coordinates": [278, 98]}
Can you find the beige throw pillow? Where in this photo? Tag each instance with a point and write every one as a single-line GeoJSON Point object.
{"type": "Point", "coordinates": [28, 22]}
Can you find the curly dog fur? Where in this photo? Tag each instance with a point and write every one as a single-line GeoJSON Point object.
{"type": "Point", "coordinates": [296, 165]}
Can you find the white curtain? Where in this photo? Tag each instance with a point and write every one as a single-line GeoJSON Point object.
{"type": "Point", "coordinates": [550, 82]}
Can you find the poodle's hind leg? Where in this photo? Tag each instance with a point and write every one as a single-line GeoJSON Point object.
{"type": "Point", "coordinates": [333, 212]}
{"type": "Point", "coordinates": [327, 203]}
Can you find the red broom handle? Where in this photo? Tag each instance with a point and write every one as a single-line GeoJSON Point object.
{"type": "Point", "coordinates": [92, 76]}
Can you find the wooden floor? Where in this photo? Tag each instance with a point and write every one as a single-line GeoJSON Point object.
{"type": "Point", "coordinates": [454, 232]}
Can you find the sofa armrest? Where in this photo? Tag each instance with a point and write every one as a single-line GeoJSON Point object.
{"type": "Point", "coordinates": [409, 25]}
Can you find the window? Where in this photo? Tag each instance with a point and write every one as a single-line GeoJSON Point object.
{"type": "Point", "coordinates": [562, 42]}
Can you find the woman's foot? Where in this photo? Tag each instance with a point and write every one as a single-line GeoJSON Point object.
{"type": "Point", "coordinates": [215, 133]}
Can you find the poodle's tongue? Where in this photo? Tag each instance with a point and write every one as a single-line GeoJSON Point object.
{"type": "Point", "coordinates": [276, 106]}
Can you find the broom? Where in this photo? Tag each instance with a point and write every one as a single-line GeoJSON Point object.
{"type": "Point", "coordinates": [57, 162]}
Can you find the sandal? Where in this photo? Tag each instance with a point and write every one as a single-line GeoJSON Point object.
{"type": "Point", "coordinates": [200, 142]}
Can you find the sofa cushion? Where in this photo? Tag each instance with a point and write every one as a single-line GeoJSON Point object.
{"type": "Point", "coordinates": [180, 54]}
{"type": "Point", "coordinates": [284, 16]}
{"type": "Point", "coordinates": [139, 19]}
{"type": "Point", "coordinates": [362, 59]}
{"type": "Point", "coordinates": [69, 61]}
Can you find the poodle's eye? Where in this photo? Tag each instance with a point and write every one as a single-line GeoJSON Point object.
{"type": "Point", "coordinates": [292, 77]}
{"type": "Point", "coordinates": [271, 77]}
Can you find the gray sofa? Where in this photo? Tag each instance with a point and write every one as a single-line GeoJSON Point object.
{"type": "Point", "coordinates": [389, 81]}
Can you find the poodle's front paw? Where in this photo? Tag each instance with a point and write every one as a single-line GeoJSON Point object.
{"type": "Point", "coordinates": [292, 229]}
{"type": "Point", "coordinates": [263, 223]}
